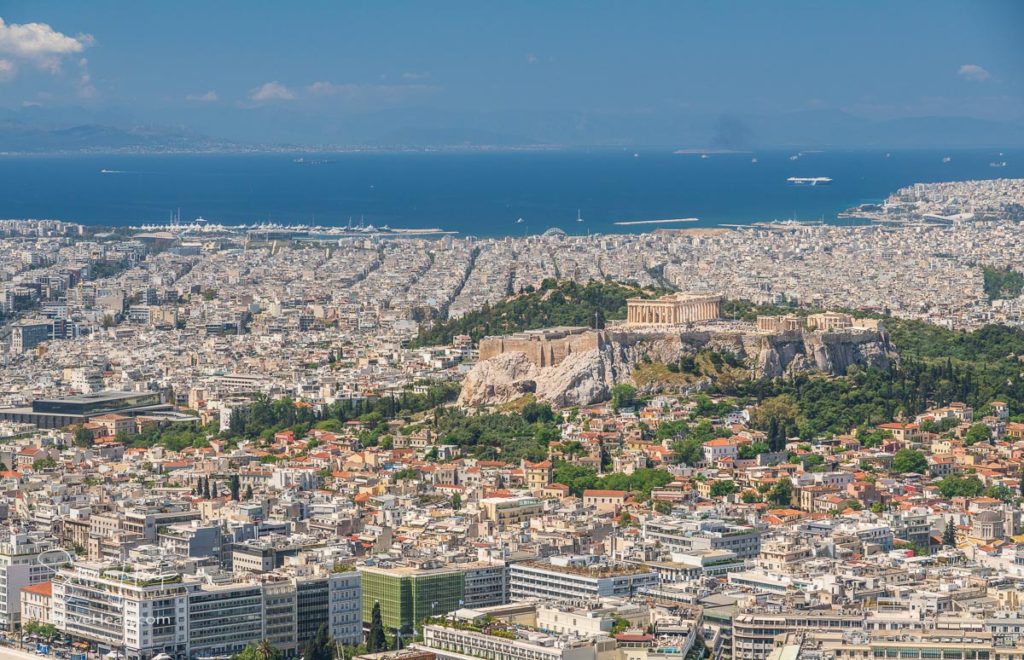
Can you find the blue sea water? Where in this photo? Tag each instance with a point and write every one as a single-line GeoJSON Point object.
{"type": "Point", "coordinates": [481, 194]}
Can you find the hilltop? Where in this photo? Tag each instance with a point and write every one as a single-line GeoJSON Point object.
{"type": "Point", "coordinates": [553, 304]}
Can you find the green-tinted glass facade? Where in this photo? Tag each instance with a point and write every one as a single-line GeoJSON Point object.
{"type": "Point", "coordinates": [407, 597]}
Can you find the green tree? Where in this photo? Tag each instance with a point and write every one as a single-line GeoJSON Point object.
{"type": "Point", "coordinates": [871, 438]}
{"type": "Point", "coordinates": [537, 412]}
{"type": "Point", "coordinates": [376, 640]}
{"type": "Point", "coordinates": [320, 646]}
{"type": "Point", "coordinates": [781, 492]}
{"type": "Point", "coordinates": [1002, 282]}
{"type": "Point", "coordinates": [954, 486]}
{"type": "Point", "coordinates": [722, 488]}
{"type": "Point", "coordinates": [262, 650]}
{"type": "Point", "coordinates": [909, 460]}
{"type": "Point", "coordinates": [267, 651]}
{"type": "Point", "coordinates": [949, 535]}
{"type": "Point", "coordinates": [557, 303]}
{"type": "Point", "coordinates": [456, 501]}
{"type": "Point", "coordinates": [619, 625]}
{"type": "Point", "coordinates": [977, 433]}
{"type": "Point", "coordinates": [45, 630]}
{"type": "Point", "coordinates": [83, 437]}
{"type": "Point", "coordinates": [999, 492]}
{"type": "Point", "coordinates": [623, 396]}
{"type": "Point", "coordinates": [753, 450]}
{"type": "Point", "coordinates": [44, 464]}
{"type": "Point", "coordinates": [235, 484]}
{"type": "Point", "coordinates": [776, 416]}
{"type": "Point", "coordinates": [248, 493]}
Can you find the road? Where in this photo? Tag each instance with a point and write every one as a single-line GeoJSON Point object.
{"type": "Point", "coordinates": [8, 653]}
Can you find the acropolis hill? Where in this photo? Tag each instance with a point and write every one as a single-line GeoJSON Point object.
{"type": "Point", "coordinates": [578, 366]}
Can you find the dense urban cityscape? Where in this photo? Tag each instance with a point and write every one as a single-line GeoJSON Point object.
{"type": "Point", "coordinates": [786, 440]}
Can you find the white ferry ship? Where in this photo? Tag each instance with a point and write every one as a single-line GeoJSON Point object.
{"type": "Point", "coordinates": [809, 180]}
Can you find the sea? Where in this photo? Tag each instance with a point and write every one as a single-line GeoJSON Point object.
{"type": "Point", "coordinates": [476, 193]}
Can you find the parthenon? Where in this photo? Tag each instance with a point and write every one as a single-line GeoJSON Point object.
{"type": "Point", "coordinates": [673, 309]}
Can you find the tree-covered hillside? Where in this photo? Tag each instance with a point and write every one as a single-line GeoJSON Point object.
{"type": "Point", "coordinates": [554, 304]}
{"type": "Point", "coordinates": [936, 366]}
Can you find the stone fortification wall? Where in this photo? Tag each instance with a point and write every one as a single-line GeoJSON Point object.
{"type": "Point", "coordinates": [544, 348]}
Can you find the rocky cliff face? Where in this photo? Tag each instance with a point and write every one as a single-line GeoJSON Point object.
{"type": "Point", "coordinates": [587, 377]}
{"type": "Point", "coordinates": [582, 379]}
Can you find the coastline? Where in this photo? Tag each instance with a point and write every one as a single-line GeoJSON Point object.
{"type": "Point", "coordinates": [471, 192]}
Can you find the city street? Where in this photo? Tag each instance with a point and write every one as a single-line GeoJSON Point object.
{"type": "Point", "coordinates": [8, 653]}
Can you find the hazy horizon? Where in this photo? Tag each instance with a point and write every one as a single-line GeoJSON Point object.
{"type": "Point", "coordinates": [689, 75]}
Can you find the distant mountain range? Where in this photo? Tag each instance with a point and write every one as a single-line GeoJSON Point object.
{"type": "Point", "coordinates": [37, 130]}
{"type": "Point", "coordinates": [19, 137]}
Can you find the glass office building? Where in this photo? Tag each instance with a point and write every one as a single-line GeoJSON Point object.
{"type": "Point", "coordinates": [408, 595]}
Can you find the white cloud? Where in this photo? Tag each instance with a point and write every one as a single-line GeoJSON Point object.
{"type": "Point", "coordinates": [973, 72]}
{"type": "Point", "coordinates": [271, 91]}
{"type": "Point", "coordinates": [40, 44]}
{"type": "Point", "coordinates": [415, 75]}
{"type": "Point", "coordinates": [531, 58]}
{"type": "Point", "coordinates": [7, 70]}
{"type": "Point", "coordinates": [207, 97]}
{"type": "Point", "coordinates": [323, 88]}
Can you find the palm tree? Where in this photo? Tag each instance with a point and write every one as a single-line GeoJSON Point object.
{"type": "Point", "coordinates": [266, 651]}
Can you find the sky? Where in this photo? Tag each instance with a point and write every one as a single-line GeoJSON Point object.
{"type": "Point", "coordinates": [353, 70]}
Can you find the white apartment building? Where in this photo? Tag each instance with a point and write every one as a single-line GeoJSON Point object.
{"type": "Point", "coordinates": [580, 577]}
{"type": "Point", "coordinates": [136, 612]}
{"type": "Point", "coordinates": [143, 612]}
{"type": "Point", "coordinates": [450, 643]}
{"type": "Point", "coordinates": [24, 560]}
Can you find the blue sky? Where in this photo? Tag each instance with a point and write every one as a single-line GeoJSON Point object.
{"type": "Point", "coordinates": [249, 66]}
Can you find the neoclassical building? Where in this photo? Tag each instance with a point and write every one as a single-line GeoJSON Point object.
{"type": "Point", "coordinates": [673, 309]}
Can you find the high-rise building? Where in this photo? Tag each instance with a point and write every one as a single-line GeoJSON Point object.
{"type": "Point", "coordinates": [139, 613]}
{"type": "Point", "coordinates": [20, 567]}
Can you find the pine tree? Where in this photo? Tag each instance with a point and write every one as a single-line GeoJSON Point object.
{"type": "Point", "coordinates": [376, 640]}
{"type": "Point", "coordinates": [235, 485]}
{"type": "Point", "coordinates": [213, 489]}
{"type": "Point", "coordinates": [949, 536]}
{"type": "Point", "coordinates": [248, 492]}
{"type": "Point", "coordinates": [206, 488]}
{"type": "Point", "coordinates": [319, 647]}
{"type": "Point", "coordinates": [773, 435]}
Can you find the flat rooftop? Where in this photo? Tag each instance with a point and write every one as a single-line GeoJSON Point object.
{"type": "Point", "coordinates": [96, 397]}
